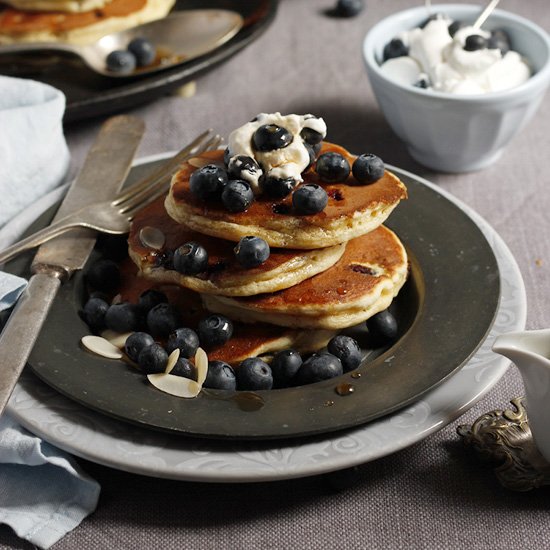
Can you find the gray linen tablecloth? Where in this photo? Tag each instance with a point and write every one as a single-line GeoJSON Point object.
{"type": "Point", "coordinates": [432, 495]}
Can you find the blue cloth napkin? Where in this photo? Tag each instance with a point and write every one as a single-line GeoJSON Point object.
{"type": "Point", "coordinates": [33, 152]}
{"type": "Point", "coordinates": [43, 493]}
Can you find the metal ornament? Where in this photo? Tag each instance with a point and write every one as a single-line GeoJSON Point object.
{"type": "Point", "coordinates": [504, 437]}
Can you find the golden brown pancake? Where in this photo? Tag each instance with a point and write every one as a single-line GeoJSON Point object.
{"type": "Point", "coordinates": [363, 282]}
{"type": "Point", "coordinates": [352, 210]}
{"type": "Point", "coordinates": [247, 340]}
{"type": "Point", "coordinates": [57, 5]}
{"type": "Point", "coordinates": [224, 276]}
{"type": "Point", "coordinates": [78, 28]}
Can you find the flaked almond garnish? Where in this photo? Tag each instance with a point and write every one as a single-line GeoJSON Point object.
{"type": "Point", "coordinates": [172, 360]}
{"type": "Point", "coordinates": [101, 346]}
{"type": "Point", "coordinates": [201, 364]}
{"type": "Point", "coordinates": [175, 385]}
{"type": "Point", "coordinates": [178, 385]}
{"type": "Point", "coordinates": [116, 338]}
{"type": "Point", "coordinates": [117, 299]}
{"type": "Point", "coordinates": [152, 237]}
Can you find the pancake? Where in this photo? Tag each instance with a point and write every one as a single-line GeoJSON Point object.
{"type": "Point", "coordinates": [224, 276]}
{"type": "Point", "coordinates": [78, 28]}
{"type": "Point", "coordinates": [71, 6]}
{"type": "Point", "coordinates": [362, 283]}
{"type": "Point", "coordinates": [255, 340]}
{"type": "Point", "coordinates": [352, 210]}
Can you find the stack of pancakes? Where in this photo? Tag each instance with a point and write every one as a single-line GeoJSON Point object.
{"type": "Point", "coordinates": [326, 271]}
{"type": "Point", "coordinates": [74, 21]}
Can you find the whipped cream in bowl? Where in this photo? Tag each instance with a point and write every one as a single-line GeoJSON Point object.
{"type": "Point", "coordinates": [448, 56]}
{"type": "Point", "coordinates": [454, 94]}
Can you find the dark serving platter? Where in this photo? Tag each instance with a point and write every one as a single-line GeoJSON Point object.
{"type": "Point", "coordinates": [90, 95]}
{"type": "Point", "coordinates": [445, 311]}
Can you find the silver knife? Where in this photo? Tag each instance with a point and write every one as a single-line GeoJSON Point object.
{"type": "Point", "coordinates": [101, 177]}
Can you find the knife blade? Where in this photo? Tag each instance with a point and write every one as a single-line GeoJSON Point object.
{"type": "Point", "coordinates": [104, 171]}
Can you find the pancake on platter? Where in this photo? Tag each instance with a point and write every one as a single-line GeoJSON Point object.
{"type": "Point", "coordinates": [224, 276]}
{"type": "Point", "coordinates": [352, 209]}
{"type": "Point", "coordinates": [362, 283]}
{"type": "Point", "coordinates": [71, 6]}
{"type": "Point", "coordinates": [247, 341]}
{"type": "Point", "coordinates": [80, 27]}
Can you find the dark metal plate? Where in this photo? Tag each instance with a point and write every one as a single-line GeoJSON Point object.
{"type": "Point", "coordinates": [445, 311]}
{"type": "Point", "coordinates": [90, 95]}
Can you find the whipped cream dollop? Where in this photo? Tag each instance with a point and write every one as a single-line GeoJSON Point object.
{"type": "Point", "coordinates": [282, 163]}
{"type": "Point", "coordinates": [441, 62]}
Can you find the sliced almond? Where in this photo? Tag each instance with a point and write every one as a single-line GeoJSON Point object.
{"type": "Point", "coordinates": [175, 385]}
{"type": "Point", "coordinates": [201, 364]}
{"type": "Point", "coordinates": [172, 360]}
{"type": "Point", "coordinates": [116, 338]}
{"type": "Point", "coordinates": [152, 237]}
{"type": "Point", "coordinates": [101, 346]}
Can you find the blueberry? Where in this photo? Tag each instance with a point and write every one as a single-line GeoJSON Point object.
{"type": "Point", "coordinates": [278, 188]}
{"type": "Point", "coordinates": [190, 258]}
{"type": "Point", "coordinates": [382, 327]}
{"type": "Point", "coordinates": [135, 343]}
{"type": "Point", "coordinates": [499, 39]}
{"type": "Point", "coordinates": [284, 366]}
{"type": "Point", "coordinates": [214, 331]}
{"type": "Point", "coordinates": [94, 312]}
{"type": "Point", "coordinates": [104, 275]}
{"type": "Point", "coordinates": [237, 196]}
{"type": "Point", "coordinates": [475, 42]}
{"type": "Point", "coordinates": [349, 8]}
{"type": "Point", "coordinates": [208, 182]}
{"type": "Point", "coordinates": [313, 152]}
{"type": "Point", "coordinates": [347, 350]}
{"type": "Point", "coordinates": [368, 168]}
{"type": "Point", "coordinates": [311, 137]}
{"type": "Point", "coordinates": [254, 374]}
{"type": "Point", "coordinates": [184, 368]}
{"type": "Point", "coordinates": [221, 376]}
{"type": "Point", "coordinates": [320, 366]}
{"type": "Point", "coordinates": [240, 165]}
{"type": "Point", "coordinates": [226, 156]}
{"type": "Point", "coordinates": [143, 50]}
{"type": "Point", "coordinates": [270, 137]}
{"type": "Point", "coordinates": [309, 199]}
{"type": "Point", "coordinates": [252, 251]}
{"type": "Point", "coordinates": [184, 339]}
{"type": "Point", "coordinates": [332, 167]}
{"type": "Point", "coordinates": [121, 62]}
{"type": "Point", "coordinates": [152, 359]}
{"type": "Point", "coordinates": [394, 48]}
{"type": "Point", "coordinates": [162, 320]}
{"type": "Point", "coordinates": [149, 299]}
{"type": "Point", "coordinates": [123, 317]}
{"type": "Point", "coordinates": [422, 82]}
{"type": "Point", "coordinates": [455, 26]}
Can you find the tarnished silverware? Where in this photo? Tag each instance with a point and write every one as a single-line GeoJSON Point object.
{"type": "Point", "coordinates": [104, 171]}
{"type": "Point", "coordinates": [114, 216]}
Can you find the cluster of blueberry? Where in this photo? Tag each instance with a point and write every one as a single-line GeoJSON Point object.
{"type": "Point", "coordinates": [499, 39]}
{"type": "Point", "coordinates": [192, 258]}
{"type": "Point", "coordinates": [153, 320]}
{"type": "Point", "coordinates": [212, 182]}
{"type": "Point", "coordinates": [288, 369]}
{"type": "Point", "coordinates": [140, 52]}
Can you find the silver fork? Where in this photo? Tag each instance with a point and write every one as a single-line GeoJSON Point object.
{"type": "Point", "coordinates": [115, 216]}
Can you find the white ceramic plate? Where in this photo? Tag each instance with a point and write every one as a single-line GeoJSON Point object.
{"type": "Point", "coordinates": [106, 441]}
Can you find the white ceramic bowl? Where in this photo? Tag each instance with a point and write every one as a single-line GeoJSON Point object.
{"type": "Point", "coordinates": [457, 133]}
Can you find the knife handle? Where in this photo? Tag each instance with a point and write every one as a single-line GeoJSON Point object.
{"type": "Point", "coordinates": [21, 331]}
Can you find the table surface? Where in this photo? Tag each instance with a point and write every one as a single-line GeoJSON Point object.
{"type": "Point", "coordinates": [434, 494]}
